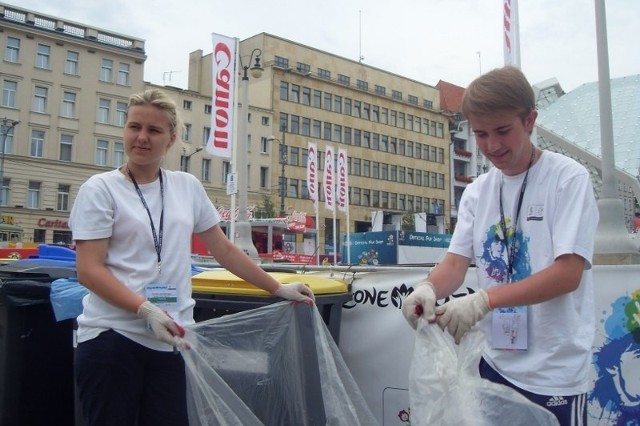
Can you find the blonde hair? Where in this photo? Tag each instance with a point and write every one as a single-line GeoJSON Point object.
{"type": "Point", "coordinates": [502, 90]}
{"type": "Point", "coordinates": [162, 101]}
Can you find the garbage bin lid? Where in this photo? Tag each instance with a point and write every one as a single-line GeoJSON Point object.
{"type": "Point", "coordinates": [224, 282]}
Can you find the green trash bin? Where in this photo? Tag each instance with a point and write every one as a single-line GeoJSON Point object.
{"type": "Point", "coordinates": [36, 354]}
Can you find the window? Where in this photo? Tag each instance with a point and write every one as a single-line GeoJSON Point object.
{"type": "Point", "coordinates": [357, 109]}
{"type": "Point", "coordinates": [102, 152]}
{"type": "Point", "coordinates": [384, 115]}
{"type": "Point", "coordinates": [63, 197]}
{"type": "Point", "coordinates": [33, 195]}
{"type": "Point", "coordinates": [306, 96]}
{"type": "Point", "coordinates": [43, 56]}
{"type": "Point", "coordinates": [71, 64]}
{"type": "Point", "coordinates": [327, 131]}
{"type": "Point", "coordinates": [264, 145]}
{"type": "Point", "coordinates": [375, 170]}
{"type": "Point", "coordinates": [207, 109]}
{"type": "Point", "coordinates": [281, 62]}
{"type": "Point", "coordinates": [326, 74]}
{"type": "Point", "coordinates": [7, 142]}
{"type": "Point", "coordinates": [337, 133]}
{"type": "Point", "coordinates": [295, 93]}
{"type": "Point", "coordinates": [347, 106]}
{"type": "Point", "coordinates": [303, 68]}
{"type": "Point", "coordinates": [40, 99]}
{"type": "Point", "coordinates": [347, 136]}
{"type": "Point", "coordinates": [206, 134]}
{"type": "Point", "coordinates": [5, 191]}
{"type": "Point", "coordinates": [226, 169]}
{"type": "Point", "coordinates": [412, 99]}
{"type": "Point", "coordinates": [293, 188]}
{"type": "Point", "coordinates": [206, 170]}
{"type": "Point", "coordinates": [294, 156]}
{"type": "Point", "coordinates": [428, 104]}
{"type": "Point", "coordinates": [118, 154]}
{"type": "Point", "coordinates": [366, 111]}
{"type": "Point", "coordinates": [396, 95]}
{"type": "Point", "coordinates": [401, 120]}
{"type": "Point", "coordinates": [375, 113]}
{"type": "Point", "coordinates": [306, 126]}
{"type": "Point", "coordinates": [264, 177]}
{"type": "Point", "coordinates": [315, 130]}
{"type": "Point", "coordinates": [337, 104]}
{"type": "Point", "coordinates": [68, 105]}
{"type": "Point", "coordinates": [121, 113]}
{"type": "Point", "coordinates": [362, 85]}
{"type": "Point", "coordinates": [317, 99]}
{"type": "Point", "coordinates": [12, 51]}
{"type": "Point", "coordinates": [104, 105]}
{"type": "Point", "coordinates": [265, 120]}
{"type": "Point", "coordinates": [327, 101]}
{"type": "Point", "coordinates": [380, 90]}
{"type": "Point", "coordinates": [66, 144]}
{"type": "Point", "coordinates": [295, 124]}
{"type": "Point", "coordinates": [9, 93]}
{"type": "Point", "coordinates": [123, 74]}
{"type": "Point", "coordinates": [106, 70]}
{"type": "Point", "coordinates": [186, 133]}
{"type": "Point", "coordinates": [186, 105]}
{"type": "Point", "coordinates": [37, 143]}
{"type": "Point", "coordinates": [343, 79]}
{"type": "Point", "coordinates": [366, 168]}
{"type": "Point", "coordinates": [284, 91]}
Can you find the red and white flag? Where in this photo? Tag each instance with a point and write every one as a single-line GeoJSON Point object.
{"type": "Point", "coordinates": [220, 141]}
{"type": "Point", "coordinates": [342, 192]}
{"type": "Point", "coordinates": [312, 172]}
{"type": "Point", "coordinates": [328, 183]}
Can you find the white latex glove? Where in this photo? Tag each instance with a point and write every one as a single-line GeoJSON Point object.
{"type": "Point", "coordinates": [162, 325]}
{"type": "Point", "coordinates": [422, 302]}
{"type": "Point", "coordinates": [460, 314]}
{"type": "Point", "coordinates": [295, 291]}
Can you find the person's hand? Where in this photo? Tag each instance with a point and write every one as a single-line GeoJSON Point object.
{"type": "Point", "coordinates": [162, 325]}
{"type": "Point", "coordinates": [295, 291]}
{"type": "Point", "coordinates": [460, 314]}
{"type": "Point", "coordinates": [422, 302]}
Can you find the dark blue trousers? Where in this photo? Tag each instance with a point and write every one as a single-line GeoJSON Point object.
{"type": "Point", "coordinates": [123, 383]}
{"type": "Point", "coordinates": [570, 410]}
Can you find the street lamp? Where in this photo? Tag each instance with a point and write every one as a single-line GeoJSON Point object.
{"type": "Point", "coordinates": [283, 162]}
{"type": "Point", "coordinates": [185, 158]}
{"type": "Point", "coordinates": [7, 127]}
{"type": "Point", "coordinates": [242, 227]}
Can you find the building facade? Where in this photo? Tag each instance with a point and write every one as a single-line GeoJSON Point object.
{"type": "Point", "coordinates": [396, 138]}
{"type": "Point", "coordinates": [67, 84]}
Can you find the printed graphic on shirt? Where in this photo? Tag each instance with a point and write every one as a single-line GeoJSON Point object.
{"type": "Point", "coordinates": [495, 254]}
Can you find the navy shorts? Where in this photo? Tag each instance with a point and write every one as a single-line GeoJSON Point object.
{"type": "Point", "coordinates": [570, 410]}
{"type": "Point", "coordinates": [123, 383]}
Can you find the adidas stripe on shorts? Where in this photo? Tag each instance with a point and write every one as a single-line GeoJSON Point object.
{"type": "Point", "coordinates": [570, 410]}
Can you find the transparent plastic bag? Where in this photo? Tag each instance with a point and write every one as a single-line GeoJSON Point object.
{"type": "Point", "coordinates": [275, 365]}
{"type": "Point", "coordinates": [445, 387]}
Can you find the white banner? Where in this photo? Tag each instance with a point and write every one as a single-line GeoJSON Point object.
{"type": "Point", "coordinates": [312, 172]}
{"type": "Point", "coordinates": [220, 141]}
{"type": "Point", "coordinates": [343, 181]}
{"type": "Point", "coordinates": [328, 184]}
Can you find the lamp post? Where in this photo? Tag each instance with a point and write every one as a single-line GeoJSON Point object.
{"type": "Point", "coordinates": [7, 127]}
{"type": "Point", "coordinates": [282, 149]}
{"type": "Point", "coordinates": [185, 158]}
{"type": "Point", "coordinates": [242, 227]}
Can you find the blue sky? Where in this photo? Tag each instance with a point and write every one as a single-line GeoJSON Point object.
{"type": "Point", "coordinates": [426, 40]}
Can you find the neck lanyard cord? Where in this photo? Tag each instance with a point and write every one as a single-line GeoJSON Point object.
{"type": "Point", "coordinates": [511, 250]}
{"type": "Point", "coordinates": [157, 237]}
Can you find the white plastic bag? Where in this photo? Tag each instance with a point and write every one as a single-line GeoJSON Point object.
{"type": "Point", "coordinates": [275, 365]}
{"type": "Point", "coordinates": [445, 387]}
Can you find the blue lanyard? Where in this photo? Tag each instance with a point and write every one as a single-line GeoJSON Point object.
{"type": "Point", "coordinates": [511, 251]}
{"type": "Point", "coordinates": [157, 238]}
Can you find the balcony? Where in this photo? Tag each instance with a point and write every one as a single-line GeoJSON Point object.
{"type": "Point", "coordinates": [462, 154]}
{"type": "Point", "coordinates": [463, 179]}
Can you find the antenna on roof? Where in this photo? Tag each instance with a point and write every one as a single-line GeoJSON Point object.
{"type": "Point", "coordinates": [167, 74]}
{"type": "Point", "coordinates": [360, 57]}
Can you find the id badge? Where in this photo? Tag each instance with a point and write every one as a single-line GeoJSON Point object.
{"type": "Point", "coordinates": [164, 296]}
{"type": "Point", "coordinates": [509, 328]}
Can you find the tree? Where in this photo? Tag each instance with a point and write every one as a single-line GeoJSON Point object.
{"type": "Point", "coordinates": [267, 209]}
{"type": "Point", "coordinates": [408, 221]}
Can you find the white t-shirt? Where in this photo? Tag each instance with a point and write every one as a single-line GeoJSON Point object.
{"type": "Point", "coordinates": [108, 206]}
{"type": "Point", "coordinates": [558, 216]}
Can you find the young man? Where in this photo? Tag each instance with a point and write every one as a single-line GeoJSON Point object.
{"type": "Point", "coordinates": [535, 293]}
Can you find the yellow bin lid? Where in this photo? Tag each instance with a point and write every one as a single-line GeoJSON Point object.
{"type": "Point", "coordinates": [224, 282]}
